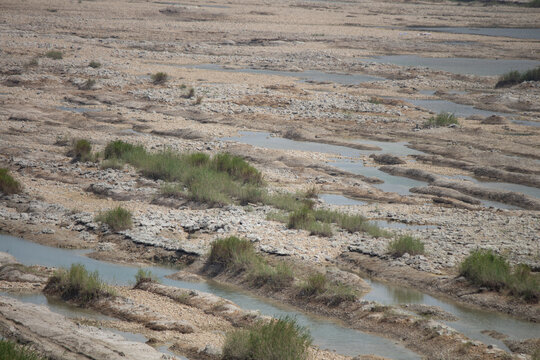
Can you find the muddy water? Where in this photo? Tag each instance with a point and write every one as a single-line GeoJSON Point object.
{"type": "Point", "coordinates": [326, 334]}
{"type": "Point", "coordinates": [516, 33]}
{"type": "Point", "coordinates": [304, 76]}
{"type": "Point", "coordinates": [473, 66]}
{"type": "Point", "coordinates": [355, 165]}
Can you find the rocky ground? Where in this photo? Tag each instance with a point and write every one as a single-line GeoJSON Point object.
{"type": "Point", "coordinates": [45, 103]}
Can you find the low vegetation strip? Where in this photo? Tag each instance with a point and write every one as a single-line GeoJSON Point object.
{"type": "Point", "coordinates": [10, 350]}
{"type": "Point", "coordinates": [488, 269]}
{"type": "Point", "coordinates": [8, 184]}
{"type": "Point", "coordinates": [406, 244]}
{"type": "Point", "coordinates": [118, 218]}
{"type": "Point", "coordinates": [77, 284]}
{"type": "Point", "coordinates": [515, 77]}
{"type": "Point", "coordinates": [238, 256]}
{"type": "Point", "coordinates": [442, 119]}
{"type": "Point", "coordinates": [279, 339]}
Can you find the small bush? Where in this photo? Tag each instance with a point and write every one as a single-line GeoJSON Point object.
{"type": "Point", "coordinates": [515, 77]}
{"type": "Point", "coordinates": [54, 54]}
{"type": "Point", "coordinates": [486, 268]}
{"type": "Point", "coordinates": [315, 284]}
{"type": "Point", "coordinates": [160, 78]}
{"type": "Point", "coordinates": [232, 253]}
{"type": "Point", "coordinates": [277, 278]}
{"type": "Point", "coordinates": [8, 185]}
{"type": "Point", "coordinates": [94, 64]}
{"type": "Point", "coordinates": [81, 150]}
{"type": "Point", "coordinates": [406, 244]}
{"type": "Point", "coordinates": [279, 339]}
{"type": "Point", "coordinates": [143, 276]}
{"type": "Point", "coordinates": [10, 350]}
{"type": "Point", "coordinates": [118, 219]}
{"type": "Point", "coordinates": [78, 284]}
{"type": "Point", "coordinates": [305, 219]}
{"type": "Point", "coordinates": [442, 119]}
{"type": "Point", "coordinates": [237, 168]}
{"type": "Point", "coordinates": [523, 283]}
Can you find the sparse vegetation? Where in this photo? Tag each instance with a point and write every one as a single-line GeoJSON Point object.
{"type": "Point", "coordinates": [491, 270]}
{"type": "Point", "coordinates": [304, 218]}
{"type": "Point", "coordinates": [190, 93]}
{"type": "Point", "coordinates": [279, 339]}
{"type": "Point", "coordinates": [406, 244]}
{"type": "Point", "coordinates": [8, 184]}
{"type": "Point", "coordinates": [54, 54]}
{"type": "Point", "coordinates": [112, 164]}
{"type": "Point", "coordinates": [10, 350]}
{"type": "Point", "coordinates": [78, 284]}
{"type": "Point", "coordinates": [94, 64]}
{"type": "Point", "coordinates": [143, 276]}
{"type": "Point", "coordinates": [88, 84]}
{"type": "Point", "coordinates": [442, 119]}
{"type": "Point", "coordinates": [319, 287]}
{"type": "Point", "coordinates": [118, 218]}
{"type": "Point", "coordinates": [160, 78]}
{"type": "Point", "coordinates": [515, 77]}
{"type": "Point", "coordinates": [535, 4]}
{"type": "Point", "coordinates": [81, 150]}
{"type": "Point", "coordinates": [198, 100]}
{"type": "Point", "coordinates": [277, 278]}
{"type": "Point", "coordinates": [32, 63]}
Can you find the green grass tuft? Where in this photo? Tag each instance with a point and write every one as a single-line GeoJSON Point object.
{"type": "Point", "coordinates": [143, 276]}
{"type": "Point", "coordinates": [54, 54]}
{"type": "Point", "coordinates": [10, 350]}
{"type": "Point", "coordinates": [118, 219]}
{"type": "Point", "coordinates": [442, 119]}
{"type": "Point", "coordinates": [406, 244]}
{"type": "Point", "coordinates": [81, 150]}
{"type": "Point", "coordinates": [78, 284]}
{"type": "Point", "coordinates": [8, 184]}
{"type": "Point", "coordinates": [515, 77]}
{"type": "Point", "coordinates": [160, 78]}
{"type": "Point", "coordinates": [279, 339]}
{"type": "Point", "coordinates": [331, 293]}
{"type": "Point", "coordinates": [277, 278]}
{"type": "Point", "coordinates": [232, 253]}
{"type": "Point", "coordinates": [94, 64]}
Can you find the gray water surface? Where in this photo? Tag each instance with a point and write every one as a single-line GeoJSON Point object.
{"type": "Point", "coordinates": [304, 76]}
{"type": "Point", "coordinates": [474, 66]}
{"type": "Point", "coordinates": [326, 334]}
{"type": "Point", "coordinates": [516, 33]}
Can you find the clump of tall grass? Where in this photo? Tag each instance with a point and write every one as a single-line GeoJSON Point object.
{"type": "Point", "coordinates": [78, 284]}
{"type": "Point", "coordinates": [10, 350]}
{"type": "Point", "coordinates": [442, 119]}
{"type": "Point", "coordinates": [218, 180]}
{"type": "Point", "coordinates": [54, 54]}
{"type": "Point", "coordinates": [118, 218]}
{"type": "Point", "coordinates": [94, 64]}
{"type": "Point", "coordinates": [406, 244]}
{"type": "Point", "coordinates": [279, 339]}
{"type": "Point", "coordinates": [515, 77]}
{"type": "Point", "coordinates": [304, 218]}
{"type": "Point", "coordinates": [8, 184]}
{"type": "Point", "coordinates": [81, 150]}
{"type": "Point", "coordinates": [144, 276]}
{"type": "Point", "coordinates": [277, 278]}
{"type": "Point", "coordinates": [331, 293]}
{"type": "Point", "coordinates": [160, 78]}
{"type": "Point", "coordinates": [491, 270]}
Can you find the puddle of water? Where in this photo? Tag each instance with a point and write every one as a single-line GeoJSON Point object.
{"type": "Point", "coordinates": [335, 199]}
{"type": "Point", "coordinates": [326, 334]}
{"type": "Point", "coordinates": [471, 322]}
{"type": "Point", "coordinates": [474, 66]}
{"type": "Point", "coordinates": [527, 190]}
{"type": "Point", "coordinates": [304, 76]}
{"type": "Point", "coordinates": [79, 110]}
{"type": "Point", "coordinates": [517, 33]}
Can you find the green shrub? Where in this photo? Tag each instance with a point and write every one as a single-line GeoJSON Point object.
{"type": "Point", "coordinates": [77, 284]}
{"type": "Point", "coordinates": [304, 218]}
{"type": "Point", "coordinates": [143, 276]}
{"type": "Point", "coordinates": [315, 284]}
{"type": "Point", "coordinates": [81, 150]}
{"type": "Point", "coordinates": [232, 253]}
{"type": "Point", "coordinates": [515, 77]}
{"type": "Point", "coordinates": [277, 278]}
{"type": "Point", "coordinates": [486, 268]}
{"type": "Point", "coordinates": [118, 218]}
{"type": "Point", "coordinates": [442, 119]}
{"type": "Point", "coordinates": [279, 339]}
{"type": "Point", "coordinates": [8, 185]}
{"type": "Point", "coordinates": [160, 78]}
{"type": "Point", "coordinates": [54, 54]}
{"type": "Point", "coordinates": [94, 64]}
{"type": "Point", "coordinates": [121, 150]}
{"type": "Point", "coordinates": [523, 283]}
{"type": "Point", "coordinates": [406, 244]}
{"type": "Point", "coordinates": [238, 168]}
{"type": "Point", "coordinates": [10, 350]}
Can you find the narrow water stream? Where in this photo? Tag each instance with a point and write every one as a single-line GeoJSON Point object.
{"type": "Point", "coordinates": [327, 334]}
